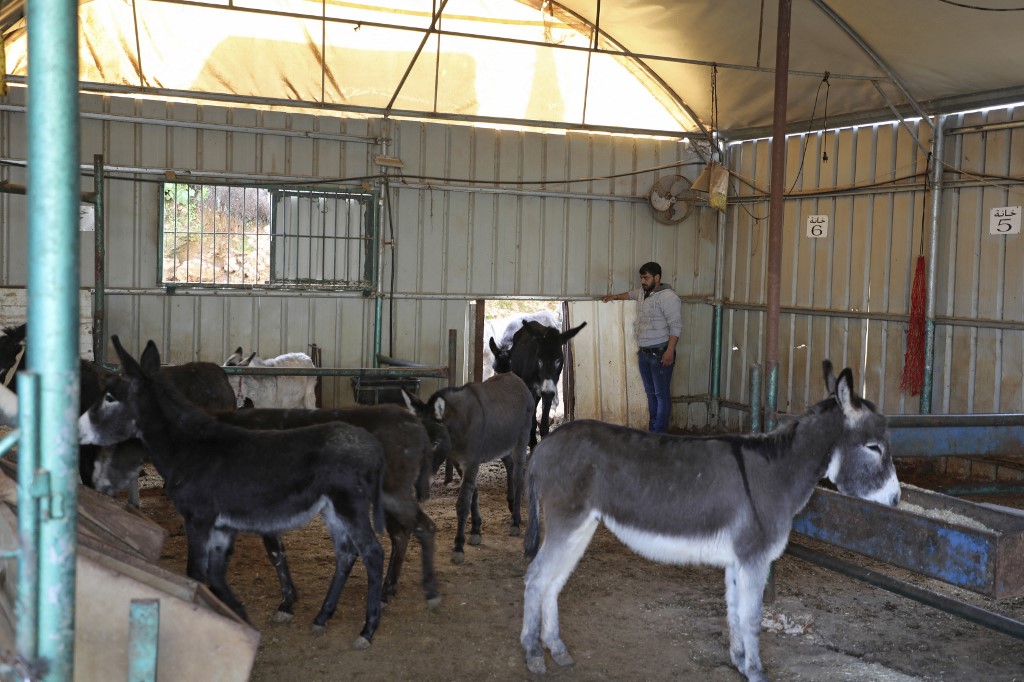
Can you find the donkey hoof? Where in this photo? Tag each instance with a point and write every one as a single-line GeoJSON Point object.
{"type": "Point", "coordinates": [536, 665]}
{"type": "Point", "coordinates": [513, 531]}
{"type": "Point", "coordinates": [283, 617]}
{"type": "Point", "coordinates": [458, 557]}
{"type": "Point", "coordinates": [317, 630]}
{"type": "Point", "coordinates": [361, 643]}
{"type": "Point", "coordinates": [474, 539]}
{"type": "Point", "coordinates": [434, 603]}
{"type": "Point", "coordinates": [563, 659]}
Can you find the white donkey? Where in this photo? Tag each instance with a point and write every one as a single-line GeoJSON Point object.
{"type": "Point", "coordinates": [273, 391]}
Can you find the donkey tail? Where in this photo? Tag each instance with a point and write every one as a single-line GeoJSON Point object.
{"type": "Point", "coordinates": [531, 541]}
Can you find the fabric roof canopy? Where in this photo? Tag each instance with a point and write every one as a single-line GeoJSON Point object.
{"type": "Point", "coordinates": [619, 65]}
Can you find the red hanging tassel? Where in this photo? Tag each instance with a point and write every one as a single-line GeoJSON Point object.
{"type": "Point", "coordinates": [912, 378]}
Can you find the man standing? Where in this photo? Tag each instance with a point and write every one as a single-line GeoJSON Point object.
{"type": "Point", "coordinates": [657, 328]}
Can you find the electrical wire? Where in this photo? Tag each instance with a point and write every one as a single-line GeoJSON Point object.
{"type": "Point", "coordinates": [964, 5]}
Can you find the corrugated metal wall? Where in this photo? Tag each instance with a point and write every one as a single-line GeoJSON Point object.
{"type": "Point", "coordinates": [847, 296]}
{"type": "Point", "coordinates": [452, 237]}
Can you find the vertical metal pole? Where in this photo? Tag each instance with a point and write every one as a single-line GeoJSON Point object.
{"type": "Point", "coordinates": [143, 639]}
{"type": "Point", "coordinates": [54, 192]}
{"type": "Point", "coordinates": [453, 338]}
{"type": "Point", "coordinates": [377, 206]}
{"type": "Point", "coordinates": [99, 300]}
{"type": "Point", "coordinates": [938, 147]}
{"type": "Point", "coordinates": [755, 398]}
{"type": "Point", "coordinates": [27, 603]}
{"type": "Point", "coordinates": [776, 207]}
{"type": "Point", "coordinates": [771, 395]}
{"type": "Point", "coordinates": [714, 407]}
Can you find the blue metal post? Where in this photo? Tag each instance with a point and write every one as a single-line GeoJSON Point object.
{"type": "Point", "coordinates": [54, 194]}
{"type": "Point", "coordinates": [26, 607]}
{"type": "Point", "coordinates": [143, 640]}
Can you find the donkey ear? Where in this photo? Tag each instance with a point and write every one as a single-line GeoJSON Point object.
{"type": "Point", "coordinates": [150, 360]}
{"type": "Point", "coordinates": [566, 335]}
{"type": "Point", "coordinates": [245, 363]}
{"type": "Point", "coordinates": [494, 346]}
{"type": "Point", "coordinates": [845, 395]}
{"type": "Point", "coordinates": [127, 361]}
{"type": "Point", "coordinates": [439, 408]}
{"type": "Point", "coordinates": [830, 377]}
{"type": "Point", "coordinates": [412, 403]}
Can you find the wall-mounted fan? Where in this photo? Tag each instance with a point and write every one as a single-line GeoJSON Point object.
{"type": "Point", "coordinates": [671, 199]}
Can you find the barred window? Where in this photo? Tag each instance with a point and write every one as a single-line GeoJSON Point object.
{"type": "Point", "coordinates": [251, 236]}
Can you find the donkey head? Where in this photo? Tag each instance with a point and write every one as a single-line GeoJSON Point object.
{"type": "Point", "coordinates": [861, 461]}
{"type": "Point", "coordinates": [502, 358]}
{"type": "Point", "coordinates": [538, 355]}
{"type": "Point", "coordinates": [431, 414]}
{"type": "Point", "coordinates": [114, 417]}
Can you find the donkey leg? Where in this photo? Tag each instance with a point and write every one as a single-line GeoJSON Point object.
{"type": "Point", "coordinates": [219, 545]}
{"type": "Point", "coordinates": [512, 483]}
{"type": "Point", "coordinates": [750, 579]}
{"type": "Point", "coordinates": [561, 550]}
{"type": "Point", "coordinates": [518, 484]}
{"type": "Point", "coordinates": [476, 521]}
{"type": "Point", "coordinates": [737, 653]}
{"type": "Point", "coordinates": [399, 534]}
{"type": "Point", "coordinates": [467, 489]}
{"type": "Point", "coordinates": [425, 532]}
{"type": "Point", "coordinates": [275, 552]}
{"type": "Point", "coordinates": [197, 561]}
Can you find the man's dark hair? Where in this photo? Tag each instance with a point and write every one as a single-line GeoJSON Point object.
{"type": "Point", "coordinates": [651, 268]}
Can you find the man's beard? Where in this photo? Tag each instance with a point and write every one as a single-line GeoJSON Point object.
{"type": "Point", "coordinates": [648, 288]}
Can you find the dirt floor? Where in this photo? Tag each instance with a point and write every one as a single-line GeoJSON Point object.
{"type": "Point", "coordinates": [623, 617]}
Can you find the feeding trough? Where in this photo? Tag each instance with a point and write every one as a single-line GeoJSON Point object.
{"type": "Point", "coordinates": [959, 542]}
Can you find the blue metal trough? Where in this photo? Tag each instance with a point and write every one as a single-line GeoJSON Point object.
{"type": "Point", "coordinates": [956, 435]}
{"type": "Point", "coordinates": [959, 542]}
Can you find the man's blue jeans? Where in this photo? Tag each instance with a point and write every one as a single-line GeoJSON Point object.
{"type": "Point", "coordinates": [657, 385]}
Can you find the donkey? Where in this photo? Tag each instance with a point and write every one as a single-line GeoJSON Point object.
{"type": "Point", "coordinates": [203, 383]}
{"type": "Point", "coordinates": [486, 421]}
{"type": "Point", "coordinates": [224, 479]}
{"type": "Point", "coordinates": [8, 407]}
{"type": "Point", "coordinates": [504, 329]}
{"type": "Point", "coordinates": [408, 454]}
{"type": "Point", "coordinates": [273, 391]}
{"type": "Point", "coordinates": [537, 357]}
{"type": "Point", "coordinates": [721, 500]}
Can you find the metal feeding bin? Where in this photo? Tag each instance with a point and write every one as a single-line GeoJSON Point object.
{"type": "Point", "coordinates": [375, 389]}
{"type": "Point", "coordinates": [959, 542]}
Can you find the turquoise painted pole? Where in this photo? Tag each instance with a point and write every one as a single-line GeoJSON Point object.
{"type": "Point", "coordinates": [54, 193]}
{"type": "Point", "coordinates": [26, 606]}
{"type": "Point", "coordinates": [143, 639]}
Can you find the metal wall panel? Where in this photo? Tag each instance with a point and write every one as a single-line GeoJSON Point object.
{"type": "Point", "coordinates": [847, 297]}
{"type": "Point", "coordinates": [569, 221]}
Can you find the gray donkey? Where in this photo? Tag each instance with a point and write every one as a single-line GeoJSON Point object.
{"type": "Point", "coordinates": [722, 500]}
{"type": "Point", "coordinates": [486, 421]}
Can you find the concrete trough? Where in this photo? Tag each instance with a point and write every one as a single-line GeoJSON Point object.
{"type": "Point", "coordinates": [962, 543]}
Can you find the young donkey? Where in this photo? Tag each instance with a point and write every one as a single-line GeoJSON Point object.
{"type": "Point", "coordinates": [224, 479]}
{"type": "Point", "coordinates": [723, 500]}
{"type": "Point", "coordinates": [486, 421]}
